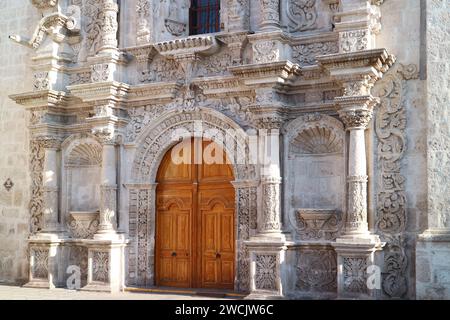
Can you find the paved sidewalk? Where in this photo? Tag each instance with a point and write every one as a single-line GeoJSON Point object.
{"type": "Point", "coordinates": [18, 293]}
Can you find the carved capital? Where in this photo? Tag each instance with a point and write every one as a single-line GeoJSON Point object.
{"type": "Point", "coordinates": [48, 142]}
{"type": "Point", "coordinates": [356, 118]}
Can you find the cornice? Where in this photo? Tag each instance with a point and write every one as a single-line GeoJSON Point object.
{"type": "Point", "coordinates": [201, 44]}
{"type": "Point", "coordinates": [42, 98]}
{"type": "Point", "coordinates": [153, 91]}
{"type": "Point", "coordinates": [272, 73]}
{"type": "Point", "coordinates": [112, 90]}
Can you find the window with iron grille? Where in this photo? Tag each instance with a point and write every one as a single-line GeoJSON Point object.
{"type": "Point", "coordinates": [204, 16]}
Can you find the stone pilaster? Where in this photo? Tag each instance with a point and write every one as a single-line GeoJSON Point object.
{"type": "Point", "coordinates": [51, 187]}
{"type": "Point", "coordinates": [270, 15]}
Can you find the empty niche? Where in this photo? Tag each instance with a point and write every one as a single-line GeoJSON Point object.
{"type": "Point", "coordinates": [83, 176]}
{"type": "Point", "coordinates": [315, 167]}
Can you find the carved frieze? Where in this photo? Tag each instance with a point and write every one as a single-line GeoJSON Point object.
{"type": "Point", "coordinates": [216, 64]}
{"type": "Point", "coordinates": [80, 78]}
{"type": "Point", "coordinates": [305, 54]}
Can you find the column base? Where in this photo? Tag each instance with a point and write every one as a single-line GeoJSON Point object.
{"type": "Point", "coordinates": [39, 284]}
{"type": "Point", "coordinates": [267, 266]}
{"type": "Point", "coordinates": [359, 276]}
{"type": "Point", "coordinates": [45, 267]}
{"type": "Point", "coordinates": [264, 296]}
{"type": "Point", "coordinates": [106, 265]}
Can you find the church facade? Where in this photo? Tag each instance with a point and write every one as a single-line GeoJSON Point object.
{"type": "Point", "coordinates": [275, 148]}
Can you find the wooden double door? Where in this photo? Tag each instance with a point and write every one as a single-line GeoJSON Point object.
{"type": "Point", "coordinates": [195, 218]}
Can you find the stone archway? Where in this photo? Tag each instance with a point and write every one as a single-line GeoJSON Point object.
{"type": "Point", "coordinates": [152, 145]}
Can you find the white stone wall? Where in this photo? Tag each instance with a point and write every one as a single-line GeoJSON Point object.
{"type": "Point", "coordinates": [16, 17]}
{"type": "Point", "coordinates": [433, 254]}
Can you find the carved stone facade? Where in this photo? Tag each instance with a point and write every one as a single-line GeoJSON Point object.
{"type": "Point", "coordinates": [334, 128]}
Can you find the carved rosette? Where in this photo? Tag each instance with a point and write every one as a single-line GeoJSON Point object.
{"type": "Point", "coordinates": [356, 220]}
{"type": "Point", "coordinates": [270, 14]}
{"type": "Point", "coordinates": [316, 270]}
{"type": "Point", "coordinates": [100, 266]}
{"type": "Point", "coordinates": [266, 272]}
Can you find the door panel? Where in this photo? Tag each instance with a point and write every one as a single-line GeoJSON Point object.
{"type": "Point", "coordinates": [173, 263]}
{"type": "Point", "coordinates": [195, 224]}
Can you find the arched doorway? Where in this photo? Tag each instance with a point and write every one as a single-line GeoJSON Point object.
{"type": "Point", "coordinates": [195, 217]}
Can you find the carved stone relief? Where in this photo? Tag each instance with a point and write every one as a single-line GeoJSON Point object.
{"type": "Point", "coordinates": [144, 10]}
{"type": "Point", "coordinates": [355, 40]}
{"type": "Point", "coordinates": [302, 15]}
{"type": "Point", "coordinates": [100, 268]}
{"type": "Point", "coordinates": [37, 156]}
{"type": "Point", "coordinates": [390, 128]}
{"type": "Point", "coordinates": [305, 54]}
{"type": "Point", "coordinates": [266, 266]}
{"type": "Point", "coordinates": [316, 270]}
{"type": "Point", "coordinates": [41, 81]}
{"type": "Point", "coordinates": [265, 51]}
{"type": "Point", "coordinates": [40, 265]}
{"type": "Point", "coordinates": [317, 224]}
{"type": "Point", "coordinates": [355, 274]}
